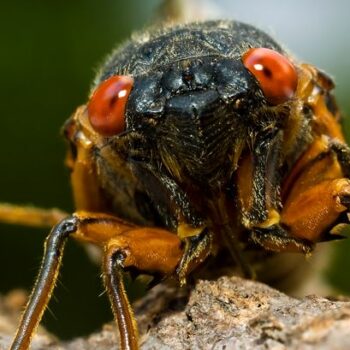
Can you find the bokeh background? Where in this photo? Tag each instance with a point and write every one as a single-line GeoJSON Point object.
{"type": "Point", "coordinates": [49, 53]}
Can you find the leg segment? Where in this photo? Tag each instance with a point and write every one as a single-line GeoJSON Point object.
{"type": "Point", "coordinates": [315, 193]}
{"type": "Point", "coordinates": [314, 196]}
{"type": "Point", "coordinates": [30, 216]}
{"type": "Point", "coordinates": [312, 213]}
{"type": "Point", "coordinates": [147, 250]}
{"type": "Point", "coordinates": [197, 249]}
{"type": "Point", "coordinates": [342, 151]}
{"type": "Point", "coordinates": [113, 265]}
{"type": "Point", "coordinates": [45, 282]}
{"type": "Point", "coordinates": [276, 239]}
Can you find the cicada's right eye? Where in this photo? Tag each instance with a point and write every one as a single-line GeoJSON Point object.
{"type": "Point", "coordinates": [106, 108]}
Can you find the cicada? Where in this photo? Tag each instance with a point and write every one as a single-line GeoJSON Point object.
{"type": "Point", "coordinates": [196, 139]}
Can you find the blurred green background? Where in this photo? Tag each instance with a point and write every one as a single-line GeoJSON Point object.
{"type": "Point", "coordinates": [49, 52]}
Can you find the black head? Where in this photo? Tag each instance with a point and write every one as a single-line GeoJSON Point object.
{"type": "Point", "coordinates": [194, 103]}
{"type": "Point", "coordinates": [194, 114]}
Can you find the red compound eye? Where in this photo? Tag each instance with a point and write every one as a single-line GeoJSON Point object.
{"type": "Point", "coordinates": [276, 75]}
{"type": "Point", "coordinates": [106, 108]}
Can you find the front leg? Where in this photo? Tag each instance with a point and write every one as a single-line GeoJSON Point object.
{"type": "Point", "coordinates": [277, 239]}
{"type": "Point", "coordinates": [30, 216]}
{"type": "Point", "coordinates": [197, 249]}
{"type": "Point", "coordinates": [148, 250]}
{"type": "Point", "coordinates": [316, 193]}
{"type": "Point", "coordinates": [45, 282]}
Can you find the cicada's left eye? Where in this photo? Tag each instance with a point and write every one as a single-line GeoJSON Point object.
{"type": "Point", "coordinates": [106, 108]}
{"type": "Point", "coordinates": [275, 73]}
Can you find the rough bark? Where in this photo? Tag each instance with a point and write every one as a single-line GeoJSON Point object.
{"type": "Point", "coordinates": [227, 313]}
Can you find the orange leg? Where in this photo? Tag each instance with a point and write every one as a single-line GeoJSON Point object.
{"type": "Point", "coordinates": [153, 251]}
{"type": "Point", "coordinates": [310, 214]}
{"type": "Point", "coordinates": [314, 195]}
{"type": "Point", "coordinates": [30, 216]}
{"type": "Point", "coordinates": [150, 250]}
{"type": "Point", "coordinates": [317, 191]}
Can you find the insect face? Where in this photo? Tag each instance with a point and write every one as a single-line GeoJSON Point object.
{"type": "Point", "coordinates": [201, 118]}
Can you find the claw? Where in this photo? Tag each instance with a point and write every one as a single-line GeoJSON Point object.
{"type": "Point", "coordinates": [345, 200]}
